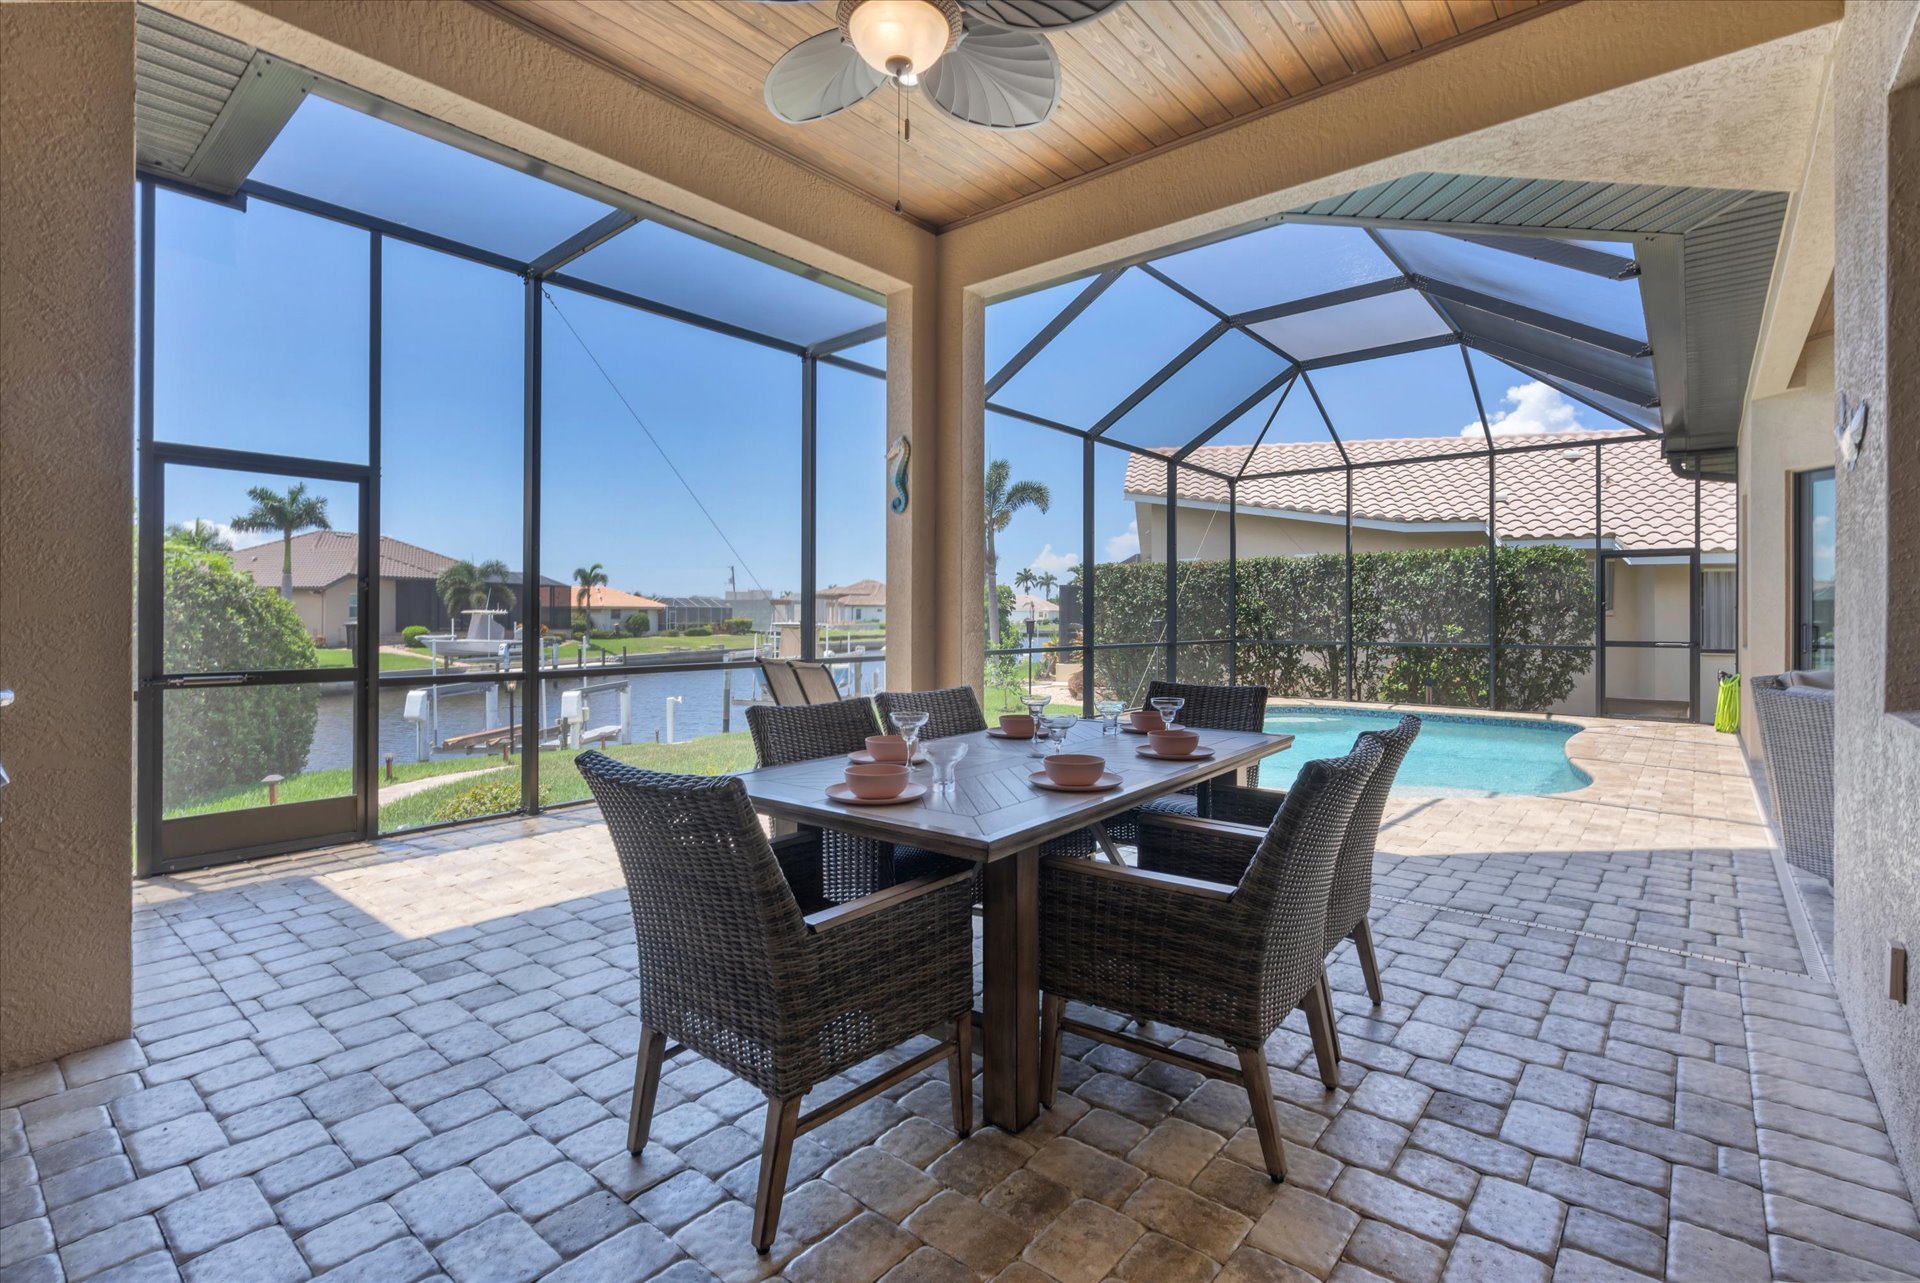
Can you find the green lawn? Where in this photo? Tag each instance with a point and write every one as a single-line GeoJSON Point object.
{"type": "Point", "coordinates": [570, 651]}
{"type": "Point", "coordinates": [491, 790]}
{"type": "Point", "coordinates": [342, 657]}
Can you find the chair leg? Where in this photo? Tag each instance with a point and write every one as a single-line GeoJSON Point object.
{"type": "Point", "coordinates": [1253, 1070]}
{"type": "Point", "coordinates": [1320, 1025]}
{"type": "Point", "coordinates": [960, 1076]}
{"type": "Point", "coordinates": [1333, 1014]}
{"type": "Point", "coordinates": [1050, 1010]}
{"type": "Point", "coordinates": [1369, 964]}
{"type": "Point", "coordinates": [646, 1086]}
{"type": "Point", "coordinates": [776, 1152]}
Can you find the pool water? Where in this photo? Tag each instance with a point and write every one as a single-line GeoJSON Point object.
{"type": "Point", "coordinates": [1455, 756]}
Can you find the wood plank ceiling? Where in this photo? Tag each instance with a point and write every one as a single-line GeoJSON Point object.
{"type": "Point", "coordinates": [1144, 76]}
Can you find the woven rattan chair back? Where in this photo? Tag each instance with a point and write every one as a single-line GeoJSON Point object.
{"type": "Point", "coordinates": [1352, 894]}
{"type": "Point", "coordinates": [1292, 875]}
{"type": "Point", "coordinates": [723, 963]}
{"type": "Point", "coordinates": [807, 731]}
{"type": "Point", "coordinates": [816, 683]}
{"type": "Point", "coordinates": [953, 711]}
{"type": "Point", "coordinates": [781, 683]}
{"type": "Point", "coordinates": [1214, 708]}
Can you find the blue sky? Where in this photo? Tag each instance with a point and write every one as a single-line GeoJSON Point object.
{"type": "Point", "coordinates": [262, 344]}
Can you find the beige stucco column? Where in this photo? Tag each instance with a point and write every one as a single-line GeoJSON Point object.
{"type": "Point", "coordinates": [66, 526]}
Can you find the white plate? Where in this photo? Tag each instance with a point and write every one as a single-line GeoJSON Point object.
{"type": "Point", "coordinates": [911, 793]}
{"type": "Point", "coordinates": [1108, 780]}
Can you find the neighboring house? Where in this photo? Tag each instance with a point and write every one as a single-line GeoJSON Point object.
{"type": "Point", "coordinates": [764, 607]}
{"type": "Point", "coordinates": [862, 602]}
{"type": "Point", "coordinates": [326, 564]}
{"type": "Point", "coordinates": [1038, 609]}
{"type": "Point", "coordinates": [608, 609]}
{"type": "Point", "coordinates": [687, 612]}
{"type": "Point", "coordinates": [1539, 497]}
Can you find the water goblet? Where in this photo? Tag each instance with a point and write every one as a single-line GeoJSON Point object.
{"type": "Point", "coordinates": [945, 755]}
{"type": "Point", "coordinates": [1036, 705]}
{"type": "Point", "coordinates": [909, 725]}
{"type": "Point", "coordinates": [1168, 706]}
{"type": "Point", "coordinates": [1110, 710]}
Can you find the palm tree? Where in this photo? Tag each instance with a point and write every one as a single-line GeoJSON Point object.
{"type": "Point", "coordinates": [587, 578]}
{"type": "Point", "coordinates": [288, 513]}
{"type": "Point", "coordinates": [201, 536]}
{"type": "Point", "coordinates": [465, 586]}
{"type": "Point", "coordinates": [1025, 580]}
{"type": "Point", "coordinates": [1004, 497]}
{"type": "Point", "coordinates": [1047, 581]}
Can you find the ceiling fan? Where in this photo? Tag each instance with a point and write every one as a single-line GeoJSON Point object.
{"type": "Point", "coordinates": [983, 62]}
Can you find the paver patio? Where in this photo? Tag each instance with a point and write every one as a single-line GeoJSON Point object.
{"type": "Point", "coordinates": [1608, 1051]}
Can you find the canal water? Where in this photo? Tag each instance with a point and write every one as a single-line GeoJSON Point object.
{"type": "Point", "coordinates": [708, 704]}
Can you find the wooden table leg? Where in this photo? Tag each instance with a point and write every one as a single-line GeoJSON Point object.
{"type": "Point", "coordinates": [1010, 1043]}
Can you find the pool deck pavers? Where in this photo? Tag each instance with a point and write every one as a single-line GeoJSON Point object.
{"type": "Point", "coordinates": [1605, 1054]}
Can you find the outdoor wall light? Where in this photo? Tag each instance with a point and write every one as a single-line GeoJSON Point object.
{"type": "Point", "coordinates": [901, 38]}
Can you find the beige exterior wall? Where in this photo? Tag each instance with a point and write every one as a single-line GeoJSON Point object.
{"type": "Point", "coordinates": [66, 515]}
{"type": "Point", "coordinates": [1876, 822]}
{"type": "Point", "coordinates": [1782, 435]}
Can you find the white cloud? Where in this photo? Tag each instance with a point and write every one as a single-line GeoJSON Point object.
{"type": "Point", "coordinates": [1531, 407]}
{"type": "Point", "coordinates": [1121, 547]}
{"type": "Point", "coordinates": [235, 538]}
{"type": "Point", "coordinates": [1057, 563]}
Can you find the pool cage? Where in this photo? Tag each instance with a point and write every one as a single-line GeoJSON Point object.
{"type": "Point", "coordinates": [1276, 502]}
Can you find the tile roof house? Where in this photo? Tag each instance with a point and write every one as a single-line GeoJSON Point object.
{"type": "Point", "coordinates": [609, 608]}
{"type": "Point", "coordinates": [862, 602]}
{"type": "Point", "coordinates": [1542, 496]}
{"type": "Point", "coordinates": [325, 563]}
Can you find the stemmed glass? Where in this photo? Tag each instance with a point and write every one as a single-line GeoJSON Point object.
{"type": "Point", "coordinates": [909, 726]}
{"type": "Point", "coordinates": [1060, 724]}
{"type": "Point", "coordinates": [945, 755]}
{"type": "Point", "coordinates": [1110, 710]}
{"type": "Point", "coordinates": [1168, 706]}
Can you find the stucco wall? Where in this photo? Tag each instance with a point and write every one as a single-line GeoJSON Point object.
{"type": "Point", "coordinates": [1782, 435]}
{"type": "Point", "coordinates": [1877, 663]}
{"type": "Point", "coordinates": [66, 522]}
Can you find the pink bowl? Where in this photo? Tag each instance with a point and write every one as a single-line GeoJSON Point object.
{"type": "Point", "coordinates": [1148, 719]}
{"type": "Point", "coordinates": [887, 748]}
{"type": "Point", "coordinates": [1075, 770]}
{"type": "Point", "coordinates": [878, 780]}
{"type": "Point", "coordinates": [1173, 743]}
{"type": "Point", "coordinates": [1017, 725]}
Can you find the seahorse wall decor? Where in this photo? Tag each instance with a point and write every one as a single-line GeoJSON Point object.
{"type": "Point", "coordinates": [897, 456]}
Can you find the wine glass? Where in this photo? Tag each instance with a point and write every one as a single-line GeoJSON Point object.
{"type": "Point", "coordinates": [1168, 706]}
{"type": "Point", "coordinates": [945, 755]}
{"type": "Point", "coordinates": [1036, 706]}
{"type": "Point", "coordinates": [909, 726]}
{"type": "Point", "coordinates": [1110, 710]}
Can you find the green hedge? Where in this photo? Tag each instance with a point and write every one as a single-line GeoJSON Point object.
{"type": "Point", "coordinates": [216, 619]}
{"type": "Point", "coordinates": [1435, 596]}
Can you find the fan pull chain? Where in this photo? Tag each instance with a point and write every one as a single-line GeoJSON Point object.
{"type": "Point", "coordinates": [899, 139]}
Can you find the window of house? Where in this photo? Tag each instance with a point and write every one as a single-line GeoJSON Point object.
{"type": "Point", "coordinates": [1813, 519]}
{"type": "Point", "coordinates": [1718, 608]}
{"type": "Point", "coordinates": [1606, 588]}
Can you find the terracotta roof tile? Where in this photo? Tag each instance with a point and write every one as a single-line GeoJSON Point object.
{"type": "Point", "coordinates": [1544, 494]}
{"type": "Point", "coordinates": [324, 557]}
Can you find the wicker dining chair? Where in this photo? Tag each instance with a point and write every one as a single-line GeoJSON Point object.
{"type": "Point", "coordinates": [1210, 708]}
{"type": "Point", "coordinates": [952, 711]}
{"type": "Point", "coordinates": [1352, 898]}
{"type": "Point", "coordinates": [816, 682]}
{"type": "Point", "coordinates": [781, 682]}
{"type": "Point", "coordinates": [854, 866]}
{"type": "Point", "coordinates": [734, 970]}
{"type": "Point", "coordinates": [1223, 960]}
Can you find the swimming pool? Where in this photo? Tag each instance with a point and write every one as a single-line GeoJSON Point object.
{"type": "Point", "coordinates": [1455, 756]}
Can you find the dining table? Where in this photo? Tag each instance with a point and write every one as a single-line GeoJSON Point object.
{"type": "Point", "coordinates": [998, 817]}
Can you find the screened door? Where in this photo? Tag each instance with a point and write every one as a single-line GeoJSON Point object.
{"type": "Point", "coordinates": [1650, 634]}
{"type": "Point", "coordinates": [255, 618]}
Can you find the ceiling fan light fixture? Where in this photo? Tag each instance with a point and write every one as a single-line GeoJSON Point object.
{"type": "Point", "coordinates": [900, 38]}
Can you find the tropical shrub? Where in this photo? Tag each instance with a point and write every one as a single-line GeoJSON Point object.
{"type": "Point", "coordinates": [412, 634]}
{"type": "Point", "coordinates": [216, 619]}
{"type": "Point", "coordinates": [736, 625]}
{"type": "Point", "coordinates": [697, 630]}
{"type": "Point", "coordinates": [1420, 625]}
{"type": "Point", "coordinates": [637, 624]}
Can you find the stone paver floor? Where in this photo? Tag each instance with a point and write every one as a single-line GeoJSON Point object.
{"type": "Point", "coordinates": [1603, 1056]}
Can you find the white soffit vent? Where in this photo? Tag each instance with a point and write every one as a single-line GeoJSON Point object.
{"type": "Point", "coordinates": [205, 106]}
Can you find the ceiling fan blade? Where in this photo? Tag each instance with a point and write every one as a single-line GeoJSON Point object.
{"type": "Point", "coordinates": [995, 78]}
{"type": "Point", "coordinates": [1038, 15]}
{"type": "Point", "coordinates": [818, 77]}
